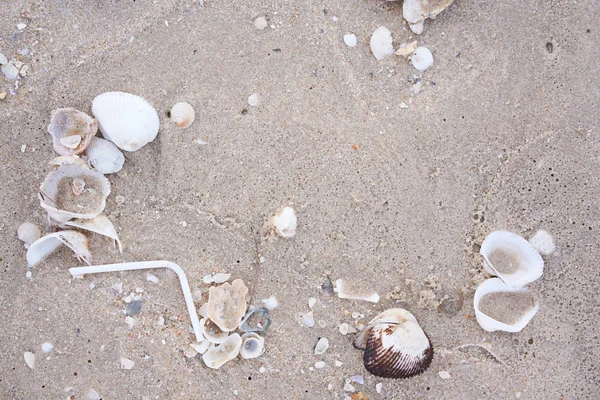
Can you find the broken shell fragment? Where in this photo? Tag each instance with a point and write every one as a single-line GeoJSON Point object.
{"type": "Point", "coordinates": [381, 43]}
{"type": "Point", "coordinates": [253, 345]}
{"type": "Point", "coordinates": [417, 11]}
{"type": "Point", "coordinates": [46, 245]}
{"type": "Point", "coordinates": [406, 49]}
{"type": "Point", "coordinates": [216, 278]}
{"type": "Point", "coordinates": [285, 223]}
{"type": "Point", "coordinates": [71, 130]}
{"type": "Point", "coordinates": [182, 114]}
{"type": "Point", "coordinates": [28, 233]}
{"type": "Point", "coordinates": [511, 258]}
{"type": "Point", "coordinates": [100, 225]}
{"type": "Point", "coordinates": [226, 351]}
{"type": "Point", "coordinates": [29, 358]}
{"type": "Point", "coordinates": [227, 304]}
{"type": "Point", "coordinates": [67, 160]}
{"type": "Point", "coordinates": [543, 242]}
{"type": "Point", "coordinates": [256, 320]}
{"type": "Point", "coordinates": [499, 307]}
{"type": "Point", "coordinates": [78, 186]}
{"type": "Point", "coordinates": [125, 119]}
{"type": "Point", "coordinates": [57, 195]}
{"type": "Point", "coordinates": [104, 156]}
{"type": "Point", "coordinates": [395, 345]}
{"type": "Point", "coordinates": [322, 346]}
{"type": "Point", "coordinates": [212, 332]}
{"type": "Point", "coordinates": [422, 58]}
{"type": "Point", "coordinates": [353, 291]}
{"type": "Point", "coordinates": [202, 347]}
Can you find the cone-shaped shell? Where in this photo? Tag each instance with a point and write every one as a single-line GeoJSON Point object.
{"type": "Point", "coordinates": [125, 119]}
{"type": "Point", "coordinates": [511, 258]}
{"type": "Point", "coordinates": [513, 310]}
{"type": "Point", "coordinates": [227, 304]}
{"type": "Point", "coordinates": [226, 351]}
{"type": "Point", "coordinates": [104, 156]}
{"type": "Point", "coordinates": [253, 345]}
{"type": "Point", "coordinates": [395, 345]}
{"type": "Point", "coordinates": [71, 130]}
{"type": "Point", "coordinates": [46, 245]}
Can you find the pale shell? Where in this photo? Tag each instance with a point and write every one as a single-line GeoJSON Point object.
{"type": "Point", "coordinates": [227, 304]}
{"type": "Point", "coordinates": [125, 119]}
{"type": "Point", "coordinates": [104, 156]}
{"type": "Point", "coordinates": [28, 233]}
{"type": "Point", "coordinates": [501, 250]}
{"type": "Point", "coordinates": [490, 324]}
{"type": "Point", "coordinates": [212, 332]}
{"type": "Point", "coordinates": [71, 130]}
{"type": "Point", "coordinates": [182, 114]}
{"type": "Point", "coordinates": [543, 242]}
{"type": "Point", "coordinates": [46, 245]}
{"type": "Point", "coordinates": [100, 225]}
{"type": "Point", "coordinates": [253, 345]}
{"type": "Point", "coordinates": [226, 351]}
{"type": "Point", "coordinates": [381, 43]}
{"type": "Point", "coordinates": [422, 58]}
{"type": "Point", "coordinates": [415, 12]}
{"type": "Point", "coordinates": [285, 223]}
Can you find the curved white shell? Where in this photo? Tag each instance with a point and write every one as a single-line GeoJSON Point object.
{"type": "Point", "coordinates": [253, 345]}
{"type": "Point", "coordinates": [488, 323]}
{"type": "Point", "coordinates": [67, 160]}
{"type": "Point", "coordinates": [212, 332]}
{"type": "Point", "coordinates": [50, 187]}
{"type": "Point", "coordinates": [43, 247]}
{"type": "Point", "coordinates": [322, 346]}
{"type": "Point", "coordinates": [422, 58]}
{"type": "Point", "coordinates": [381, 43]}
{"type": "Point", "coordinates": [285, 223]}
{"type": "Point", "coordinates": [28, 233]}
{"type": "Point", "coordinates": [529, 264]}
{"type": "Point", "coordinates": [226, 351]}
{"type": "Point", "coordinates": [227, 304]}
{"type": "Point", "coordinates": [415, 12]}
{"type": "Point", "coordinates": [182, 114]}
{"type": "Point", "coordinates": [127, 120]}
{"type": "Point", "coordinates": [100, 225]}
{"type": "Point", "coordinates": [71, 130]}
{"type": "Point", "coordinates": [104, 156]}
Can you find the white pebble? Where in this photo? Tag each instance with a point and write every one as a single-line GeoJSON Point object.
{"type": "Point", "coordinates": [444, 375]}
{"type": "Point", "coordinates": [126, 363]}
{"type": "Point", "coordinates": [260, 23]}
{"type": "Point", "coordinates": [130, 321]}
{"type": "Point", "coordinates": [320, 364]}
{"type": "Point", "coordinates": [47, 347]}
{"type": "Point", "coordinates": [381, 43]}
{"type": "Point", "coordinates": [350, 39]}
{"type": "Point", "coordinates": [152, 278]}
{"type": "Point", "coordinates": [271, 303]}
{"type": "Point", "coordinates": [422, 58]}
{"type": "Point", "coordinates": [543, 242]}
{"type": "Point", "coordinates": [379, 387]}
{"type": "Point", "coordinates": [28, 274]}
{"type": "Point", "coordinates": [311, 302]}
{"type": "Point", "coordinates": [253, 100]}
{"type": "Point", "coordinates": [262, 370]}
{"type": "Point", "coordinates": [322, 346]}
{"type": "Point", "coordinates": [29, 359]}
{"type": "Point", "coordinates": [21, 26]}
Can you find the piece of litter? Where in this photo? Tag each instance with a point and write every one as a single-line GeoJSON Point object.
{"type": "Point", "coordinates": [253, 100]}
{"type": "Point", "coordinates": [21, 26]}
{"type": "Point", "coordinates": [152, 278]}
{"type": "Point", "coordinates": [29, 359]}
{"type": "Point", "coordinates": [381, 43]}
{"type": "Point", "coordinates": [47, 347]}
{"type": "Point", "coordinates": [322, 346]}
{"type": "Point", "coordinates": [260, 23]}
{"type": "Point", "coordinates": [271, 303]}
{"type": "Point", "coordinates": [311, 302]}
{"type": "Point", "coordinates": [130, 321]}
{"type": "Point", "coordinates": [358, 379]}
{"type": "Point", "coordinates": [347, 290]}
{"type": "Point", "coordinates": [320, 364]}
{"type": "Point", "coordinates": [350, 39]}
{"type": "Point", "coordinates": [444, 374]}
{"type": "Point", "coordinates": [126, 363]}
{"type": "Point", "coordinates": [379, 387]}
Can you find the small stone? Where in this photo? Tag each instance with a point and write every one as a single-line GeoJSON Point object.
{"type": "Point", "coordinates": [320, 364]}
{"type": "Point", "coordinates": [119, 200]}
{"type": "Point", "coordinates": [183, 223]}
{"type": "Point", "coordinates": [271, 303]}
{"type": "Point", "coordinates": [349, 388]}
{"type": "Point", "coordinates": [322, 323]}
{"type": "Point", "coordinates": [253, 100]}
{"type": "Point", "coordinates": [322, 346]}
{"type": "Point", "coordinates": [3, 59]}
{"type": "Point", "coordinates": [422, 58]}
{"type": "Point", "coordinates": [358, 379]}
{"type": "Point", "coordinates": [47, 347]}
{"type": "Point", "coordinates": [161, 321]}
{"type": "Point", "coordinates": [152, 278]}
{"type": "Point", "coordinates": [21, 26]}
{"type": "Point", "coordinates": [379, 387]}
{"type": "Point", "coordinates": [307, 319]}
{"type": "Point", "coordinates": [130, 321]}
{"type": "Point", "coordinates": [260, 23]}
{"type": "Point", "coordinates": [518, 395]}
{"type": "Point", "coordinates": [29, 359]}
{"type": "Point", "coordinates": [311, 302]}
{"type": "Point", "coordinates": [126, 363]}
{"type": "Point", "coordinates": [3, 95]}
{"type": "Point", "coordinates": [350, 39]}
{"type": "Point", "coordinates": [444, 375]}
{"type": "Point", "coordinates": [262, 370]}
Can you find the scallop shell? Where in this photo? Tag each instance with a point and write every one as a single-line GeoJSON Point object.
{"type": "Point", "coordinates": [104, 156]}
{"type": "Point", "coordinates": [182, 114]}
{"type": "Point", "coordinates": [227, 304]}
{"type": "Point", "coordinates": [46, 245]}
{"type": "Point", "coordinates": [417, 11]}
{"type": "Point", "coordinates": [100, 225]}
{"type": "Point", "coordinates": [71, 130]}
{"type": "Point", "coordinates": [226, 351]}
{"type": "Point", "coordinates": [395, 345]}
{"type": "Point", "coordinates": [285, 222]}
{"type": "Point", "coordinates": [58, 199]}
{"type": "Point", "coordinates": [125, 119]}
{"type": "Point", "coordinates": [521, 312]}
{"type": "Point", "coordinates": [511, 258]}
{"type": "Point", "coordinates": [253, 345]}
{"type": "Point", "coordinates": [212, 332]}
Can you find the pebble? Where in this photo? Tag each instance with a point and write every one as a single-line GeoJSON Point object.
{"type": "Point", "coordinates": [320, 364]}
{"type": "Point", "coordinates": [338, 363]}
{"type": "Point", "coordinates": [350, 39]}
{"type": "Point", "coordinates": [3, 95]}
{"type": "Point", "coordinates": [3, 59]}
{"type": "Point", "coordinates": [134, 308]}
{"type": "Point", "coordinates": [260, 23]}
{"type": "Point", "coordinates": [253, 100]}
{"type": "Point", "coordinates": [379, 387]}
{"type": "Point", "coordinates": [47, 347]}
{"type": "Point", "coordinates": [152, 278]}
{"type": "Point", "coordinates": [29, 359]}
{"type": "Point", "coordinates": [403, 105]}
{"type": "Point", "coordinates": [311, 302]}
{"type": "Point", "coordinates": [322, 346]}
{"type": "Point", "coordinates": [21, 26]}
{"type": "Point", "coordinates": [126, 363]}
{"type": "Point", "coordinates": [130, 321]}
{"type": "Point", "coordinates": [444, 375]}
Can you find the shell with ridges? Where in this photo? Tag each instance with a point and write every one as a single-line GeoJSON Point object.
{"type": "Point", "coordinates": [71, 130]}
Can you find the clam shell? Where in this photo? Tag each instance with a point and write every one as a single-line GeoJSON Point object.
{"type": "Point", "coordinates": [415, 12]}
{"type": "Point", "coordinates": [182, 114]}
{"type": "Point", "coordinates": [227, 304]}
{"type": "Point", "coordinates": [381, 43]}
{"type": "Point", "coordinates": [285, 223]}
{"type": "Point", "coordinates": [212, 332]}
{"type": "Point", "coordinates": [226, 351]}
{"type": "Point", "coordinates": [104, 156]}
{"type": "Point", "coordinates": [46, 245]}
{"type": "Point", "coordinates": [521, 312]}
{"type": "Point", "coordinates": [100, 225]}
{"type": "Point", "coordinates": [255, 320]}
{"type": "Point", "coordinates": [71, 130]}
{"type": "Point", "coordinates": [422, 58]}
{"type": "Point", "coordinates": [511, 258]}
{"type": "Point", "coordinates": [395, 345]}
{"type": "Point", "coordinates": [125, 119]}
{"type": "Point", "coordinates": [58, 199]}
{"type": "Point", "coordinates": [253, 345]}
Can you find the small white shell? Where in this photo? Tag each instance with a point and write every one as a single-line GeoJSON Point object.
{"type": "Point", "coordinates": [226, 351]}
{"type": "Point", "coordinates": [417, 11]}
{"type": "Point", "coordinates": [182, 114]}
{"type": "Point", "coordinates": [422, 58]}
{"type": "Point", "coordinates": [511, 258]}
{"type": "Point", "coordinates": [28, 233]}
{"type": "Point", "coordinates": [543, 242]}
{"type": "Point", "coordinates": [100, 225]}
{"type": "Point", "coordinates": [253, 345]}
{"type": "Point", "coordinates": [381, 43]}
{"type": "Point", "coordinates": [71, 130]}
{"type": "Point", "coordinates": [351, 290]}
{"type": "Point", "coordinates": [67, 160]}
{"type": "Point", "coordinates": [104, 156]}
{"type": "Point", "coordinates": [29, 358]}
{"type": "Point", "coordinates": [285, 223]}
{"type": "Point", "coordinates": [202, 347]}
{"type": "Point", "coordinates": [350, 39]}
{"type": "Point", "coordinates": [212, 332]}
{"type": "Point", "coordinates": [322, 346]}
{"type": "Point", "coordinates": [127, 120]}
{"type": "Point", "coordinates": [522, 315]}
{"type": "Point", "coordinates": [43, 247]}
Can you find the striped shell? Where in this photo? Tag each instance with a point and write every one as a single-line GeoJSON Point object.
{"type": "Point", "coordinates": [395, 345]}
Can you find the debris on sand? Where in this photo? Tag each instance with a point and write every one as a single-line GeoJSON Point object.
{"type": "Point", "coordinates": [381, 43]}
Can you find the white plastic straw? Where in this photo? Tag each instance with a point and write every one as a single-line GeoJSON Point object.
{"type": "Point", "coordinates": [131, 266]}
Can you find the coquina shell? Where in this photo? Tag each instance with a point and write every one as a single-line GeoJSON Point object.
{"type": "Point", "coordinates": [104, 156]}
{"type": "Point", "coordinates": [70, 123]}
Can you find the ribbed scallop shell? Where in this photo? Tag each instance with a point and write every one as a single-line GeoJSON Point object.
{"type": "Point", "coordinates": [125, 119]}
{"type": "Point", "coordinates": [395, 345]}
{"type": "Point", "coordinates": [104, 156]}
{"type": "Point", "coordinates": [69, 122]}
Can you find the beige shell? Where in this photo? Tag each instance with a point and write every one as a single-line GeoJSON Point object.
{"type": "Point", "coordinates": [227, 304]}
{"type": "Point", "coordinates": [212, 332]}
{"type": "Point", "coordinates": [395, 345]}
{"type": "Point", "coordinates": [253, 345]}
{"type": "Point", "coordinates": [354, 290]}
{"type": "Point", "coordinates": [100, 225]}
{"type": "Point", "coordinates": [417, 11]}
{"type": "Point", "coordinates": [71, 130]}
{"type": "Point", "coordinates": [182, 114]}
{"type": "Point", "coordinates": [226, 351]}
{"type": "Point", "coordinates": [46, 245]}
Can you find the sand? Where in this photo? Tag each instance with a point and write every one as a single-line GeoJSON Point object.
{"type": "Point", "coordinates": [504, 261]}
{"type": "Point", "coordinates": [502, 135]}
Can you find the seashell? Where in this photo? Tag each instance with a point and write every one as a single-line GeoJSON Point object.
{"type": "Point", "coordinates": [350, 39]}
{"type": "Point", "coordinates": [227, 304]}
{"type": "Point", "coordinates": [406, 49]}
{"type": "Point", "coordinates": [417, 11]}
{"type": "Point", "coordinates": [395, 345]}
{"type": "Point", "coordinates": [77, 186]}
{"type": "Point", "coordinates": [256, 320]}
{"type": "Point", "coordinates": [285, 222]}
{"type": "Point", "coordinates": [125, 119]}
{"type": "Point", "coordinates": [67, 160]}
{"type": "Point", "coordinates": [381, 43]}
{"type": "Point", "coordinates": [422, 58]}
{"type": "Point", "coordinates": [307, 319]}
{"type": "Point", "coordinates": [511, 258]}
{"type": "Point", "coordinates": [29, 358]}
{"type": "Point", "coordinates": [271, 303]}
{"type": "Point", "coordinates": [58, 199]}
{"type": "Point", "coordinates": [216, 278]}
{"type": "Point", "coordinates": [203, 346]}
{"type": "Point", "coordinates": [226, 351]}
{"type": "Point", "coordinates": [101, 225]}
{"type": "Point", "coordinates": [182, 114]}
{"type": "Point", "coordinates": [104, 156]}
{"type": "Point", "coordinates": [499, 307]}
{"type": "Point", "coordinates": [253, 345]}
{"type": "Point", "coordinates": [212, 332]}
{"type": "Point", "coordinates": [322, 346]}
{"type": "Point", "coordinates": [353, 291]}
{"type": "Point", "coordinates": [71, 130]}
{"type": "Point", "coordinates": [28, 233]}
{"type": "Point", "coordinates": [543, 242]}
{"type": "Point", "coordinates": [43, 247]}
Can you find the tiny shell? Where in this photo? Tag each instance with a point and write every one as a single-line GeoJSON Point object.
{"type": "Point", "coordinates": [422, 58]}
{"type": "Point", "coordinates": [43, 247]}
{"type": "Point", "coordinates": [406, 49]}
{"type": "Point", "coordinates": [353, 291]}
{"type": "Point", "coordinates": [100, 225]}
{"type": "Point", "coordinates": [285, 223]}
{"type": "Point", "coordinates": [271, 303]}
{"type": "Point", "coordinates": [182, 114]}
{"type": "Point", "coordinates": [216, 278]}
{"type": "Point", "coordinates": [227, 351]}
{"type": "Point", "coordinates": [543, 242]}
{"type": "Point", "coordinates": [381, 43]}
{"type": "Point", "coordinates": [104, 156]}
{"type": "Point", "coordinates": [417, 11]}
{"type": "Point", "coordinates": [212, 332]}
{"type": "Point", "coordinates": [71, 130]}
{"type": "Point", "coordinates": [350, 39]}
{"type": "Point", "coordinates": [28, 233]}
{"type": "Point", "coordinates": [126, 363]}
{"type": "Point", "coordinates": [322, 346]}
{"type": "Point", "coordinates": [227, 304]}
{"type": "Point", "coordinates": [253, 345]}
{"type": "Point", "coordinates": [125, 119]}
{"type": "Point", "coordinates": [29, 359]}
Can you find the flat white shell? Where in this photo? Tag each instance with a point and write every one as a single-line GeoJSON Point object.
{"type": "Point", "coordinates": [488, 323]}
{"type": "Point", "coordinates": [253, 345]}
{"type": "Point", "coordinates": [285, 223]}
{"type": "Point", "coordinates": [350, 39]}
{"type": "Point", "coordinates": [543, 242]}
{"type": "Point", "coordinates": [125, 119]}
{"type": "Point", "coordinates": [381, 43]}
{"type": "Point", "coordinates": [422, 58]}
{"type": "Point", "coordinates": [28, 233]}
{"type": "Point", "coordinates": [226, 351]}
{"type": "Point", "coordinates": [104, 156]}
{"type": "Point", "coordinates": [530, 265]}
{"type": "Point", "coordinates": [350, 290]}
{"type": "Point", "coordinates": [46, 245]}
{"type": "Point", "coordinates": [100, 225]}
{"type": "Point", "coordinates": [182, 114]}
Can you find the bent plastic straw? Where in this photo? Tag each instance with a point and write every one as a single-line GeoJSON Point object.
{"type": "Point", "coordinates": [131, 266]}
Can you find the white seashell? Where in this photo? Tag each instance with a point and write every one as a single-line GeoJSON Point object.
{"type": "Point", "coordinates": [101, 225]}
{"type": "Point", "coordinates": [216, 278]}
{"type": "Point", "coordinates": [406, 49]}
{"type": "Point", "coordinates": [253, 345]}
{"type": "Point", "coordinates": [77, 186]}
{"type": "Point", "coordinates": [126, 363]}
{"type": "Point", "coordinates": [227, 304]}
{"type": "Point", "coordinates": [511, 258]}
{"type": "Point", "coordinates": [381, 43]}
{"type": "Point", "coordinates": [28, 233]}
{"type": "Point", "coordinates": [307, 319]}
{"type": "Point", "coordinates": [422, 58]}
{"type": "Point", "coordinates": [47, 347]}
{"type": "Point", "coordinates": [253, 100]}
{"type": "Point", "coordinates": [417, 11]}
{"type": "Point", "coordinates": [285, 223]}
{"type": "Point", "coordinates": [127, 120]}
{"type": "Point", "coordinates": [182, 114]}
{"type": "Point", "coordinates": [68, 160]}
{"type": "Point", "coordinates": [350, 39]}
{"type": "Point", "coordinates": [260, 23]}
{"type": "Point", "coordinates": [202, 347]}
{"type": "Point", "coordinates": [29, 359]}
{"type": "Point", "coordinates": [104, 156]}
{"type": "Point", "coordinates": [43, 247]}
{"type": "Point", "coordinates": [226, 351]}
{"type": "Point", "coordinates": [58, 199]}
{"type": "Point", "coordinates": [499, 307]}
{"type": "Point", "coordinates": [352, 291]}
{"type": "Point", "coordinates": [271, 303]}
{"type": "Point", "coordinates": [322, 346]}
{"type": "Point", "coordinates": [71, 130]}
{"type": "Point", "coordinates": [212, 332]}
{"type": "Point", "coordinates": [543, 242]}
{"type": "Point", "coordinates": [395, 345]}
{"type": "Point", "coordinates": [203, 310]}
